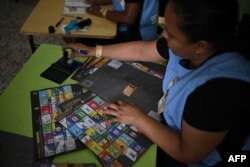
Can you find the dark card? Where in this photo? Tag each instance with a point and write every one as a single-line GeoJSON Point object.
{"type": "Point", "coordinates": [60, 70]}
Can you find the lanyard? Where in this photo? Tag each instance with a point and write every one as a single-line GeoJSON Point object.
{"type": "Point", "coordinates": [162, 101]}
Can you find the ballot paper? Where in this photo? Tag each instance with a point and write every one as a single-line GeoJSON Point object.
{"type": "Point", "coordinates": [75, 6]}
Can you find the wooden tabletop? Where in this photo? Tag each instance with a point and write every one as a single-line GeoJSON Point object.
{"type": "Point", "coordinates": [49, 12]}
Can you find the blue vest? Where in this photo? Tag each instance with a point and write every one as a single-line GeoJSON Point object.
{"type": "Point", "coordinates": [227, 65]}
{"type": "Point", "coordinates": [148, 21]}
{"type": "Point", "coordinates": [117, 6]}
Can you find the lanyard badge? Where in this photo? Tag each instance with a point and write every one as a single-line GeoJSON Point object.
{"type": "Point", "coordinates": [162, 101]}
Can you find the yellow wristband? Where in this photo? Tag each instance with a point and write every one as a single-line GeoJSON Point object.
{"type": "Point", "coordinates": [98, 51]}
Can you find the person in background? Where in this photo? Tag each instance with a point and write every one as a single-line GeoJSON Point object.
{"type": "Point", "coordinates": [204, 109]}
{"type": "Point", "coordinates": [126, 13]}
{"type": "Point", "coordinates": [137, 19]}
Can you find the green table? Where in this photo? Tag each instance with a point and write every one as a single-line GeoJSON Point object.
{"type": "Point", "coordinates": [15, 105]}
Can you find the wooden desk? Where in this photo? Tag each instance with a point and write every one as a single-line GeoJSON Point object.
{"type": "Point", "coordinates": [49, 12]}
{"type": "Point", "coordinates": [15, 104]}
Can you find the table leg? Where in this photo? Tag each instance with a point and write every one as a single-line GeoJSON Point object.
{"type": "Point", "coordinates": [32, 44]}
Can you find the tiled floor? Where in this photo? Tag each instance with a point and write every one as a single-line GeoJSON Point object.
{"type": "Point", "coordinates": [14, 47]}
{"type": "Point", "coordinates": [16, 151]}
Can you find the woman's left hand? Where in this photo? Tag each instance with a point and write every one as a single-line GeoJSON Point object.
{"type": "Point", "coordinates": [126, 113]}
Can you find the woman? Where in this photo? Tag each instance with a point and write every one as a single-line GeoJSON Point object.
{"type": "Point", "coordinates": [125, 13]}
{"type": "Point", "coordinates": [136, 19]}
{"type": "Point", "coordinates": [206, 85]}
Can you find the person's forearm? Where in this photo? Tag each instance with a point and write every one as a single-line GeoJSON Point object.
{"type": "Point", "coordinates": [99, 2]}
{"type": "Point", "coordinates": [107, 1]}
{"type": "Point", "coordinates": [104, 2]}
{"type": "Point", "coordinates": [162, 136]}
{"type": "Point", "coordinates": [121, 17]}
{"type": "Point", "coordinates": [132, 51]}
{"type": "Point", "coordinates": [128, 16]}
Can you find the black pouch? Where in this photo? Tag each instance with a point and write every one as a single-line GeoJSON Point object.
{"type": "Point", "coordinates": [60, 70]}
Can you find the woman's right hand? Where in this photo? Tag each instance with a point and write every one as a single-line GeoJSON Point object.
{"type": "Point", "coordinates": [79, 50]}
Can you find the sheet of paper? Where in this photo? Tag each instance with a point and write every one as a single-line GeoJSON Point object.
{"type": "Point", "coordinates": [75, 6]}
{"type": "Point", "coordinates": [76, 3]}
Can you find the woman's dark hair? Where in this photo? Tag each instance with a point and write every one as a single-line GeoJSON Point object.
{"type": "Point", "coordinates": [216, 21]}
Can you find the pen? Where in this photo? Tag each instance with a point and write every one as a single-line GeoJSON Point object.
{"type": "Point", "coordinates": [90, 67]}
{"type": "Point", "coordinates": [88, 62]}
{"type": "Point", "coordinates": [59, 22]}
{"type": "Point", "coordinates": [93, 65]}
